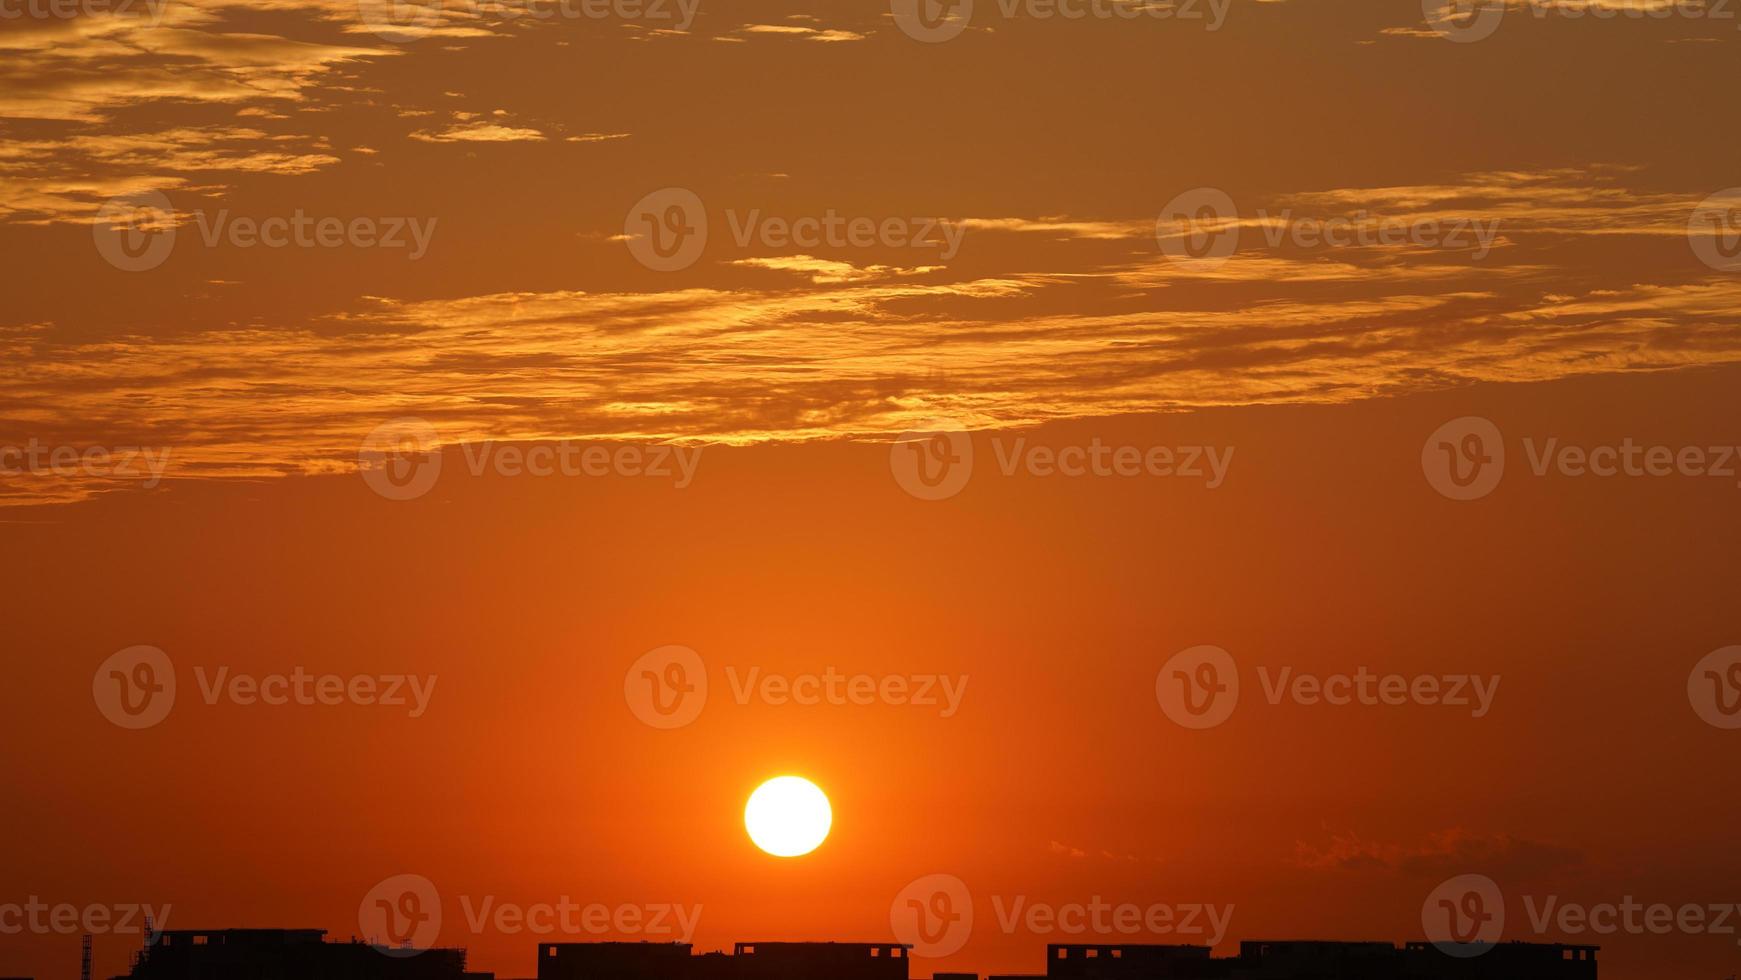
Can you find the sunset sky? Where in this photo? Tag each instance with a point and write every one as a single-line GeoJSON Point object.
{"type": "Point", "coordinates": [1400, 226]}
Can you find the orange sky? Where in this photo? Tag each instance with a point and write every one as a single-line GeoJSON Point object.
{"type": "Point", "coordinates": [521, 146]}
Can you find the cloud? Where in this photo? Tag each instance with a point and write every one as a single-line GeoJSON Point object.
{"type": "Point", "coordinates": [831, 272]}
{"type": "Point", "coordinates": [820, 34]}
{"type": "Point", "coordinates": [831, 346]}
{"type": "Point", "coordinates": [1444, 853]}
{"type": "Point", "coordinates": [480, 132]}
{"type": "Point", "coordinates": [87, 68]}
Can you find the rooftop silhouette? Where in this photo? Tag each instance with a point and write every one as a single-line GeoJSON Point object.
{"type": "Point", "coordinates": [305, 954]}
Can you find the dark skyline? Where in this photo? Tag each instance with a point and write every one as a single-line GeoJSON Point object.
{"type": "Point", "coordinates": [304, 954]}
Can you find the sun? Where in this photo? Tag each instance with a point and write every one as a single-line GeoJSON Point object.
{"type": "Point", "coordinates": [788, 816]}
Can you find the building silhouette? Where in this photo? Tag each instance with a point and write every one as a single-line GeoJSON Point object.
{"type": "Point", "coordinates": [747, 961]}
{"type": "Point", "coordinates": [288, 954]}
{"type": "Point", "coordinates": [305, 954]}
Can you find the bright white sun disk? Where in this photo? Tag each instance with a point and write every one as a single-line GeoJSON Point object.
{"type": "Point", "coordinates": [788, 816]}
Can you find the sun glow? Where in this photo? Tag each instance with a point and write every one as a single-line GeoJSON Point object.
{"type": "Point", "coordinates": [788, 816]}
